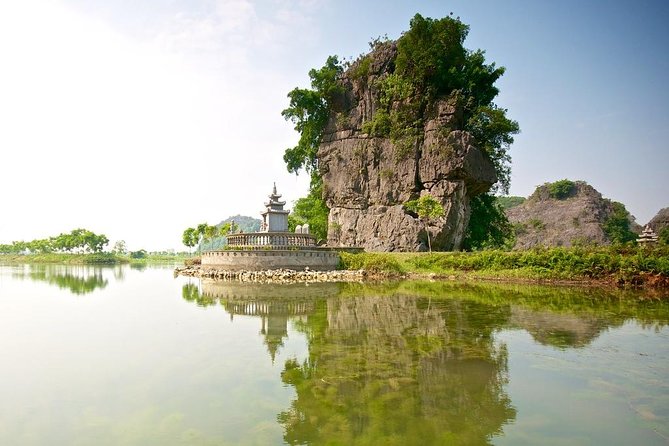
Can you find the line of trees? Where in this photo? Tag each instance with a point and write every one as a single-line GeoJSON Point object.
{"type": "Point", "coordinates": [76, 241]}
{"type": "Point", "coordinates": [206, 234]}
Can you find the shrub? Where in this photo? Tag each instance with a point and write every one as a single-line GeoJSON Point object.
{"type": "Point", "coordinates": [617, 225]}
{"type": "Point", "coordinates": [561, 189]}
{"type": "Point", "coordinates": [141, 254]}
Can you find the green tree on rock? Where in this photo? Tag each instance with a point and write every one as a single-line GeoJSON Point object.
{"type": "Point", "coordinates": [617, 225]}
{"type": "Point", "coordinates": [427, 208]}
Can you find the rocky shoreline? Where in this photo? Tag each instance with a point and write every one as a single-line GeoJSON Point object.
{"type": "Point", "coordinates": [272, 276]}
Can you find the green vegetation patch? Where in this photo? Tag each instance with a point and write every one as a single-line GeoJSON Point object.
{"type": "Point", "coordinates": [623, 263]}
{"type": "Point", "coordinates": [510, 201]}
{"type": "Point", "coordinates": [561, 189]}
{"type": "Point", "coordinates": [374, 262]}
{"type": "Point", "coordinates": [617, 225]}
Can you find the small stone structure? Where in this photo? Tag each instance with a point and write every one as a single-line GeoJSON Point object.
{"type": "Point", "coordinates": [273, 247]}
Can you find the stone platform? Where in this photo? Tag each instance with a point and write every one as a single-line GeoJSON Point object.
{"type": "Point", "coordinates": [260, 259]}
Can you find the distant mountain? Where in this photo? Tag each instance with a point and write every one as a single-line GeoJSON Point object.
{"type": "Point", "coordinates": [246, 223]}
{"type": "Point", "coordinates": [566, 213]}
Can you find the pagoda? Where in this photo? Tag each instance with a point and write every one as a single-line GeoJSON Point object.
{"type": "Point", "coordinates": [275, 218]}
{"type": "Point", "coordinates": [273, 247]}
{"type": "Point", "coordinates": [647, 237]}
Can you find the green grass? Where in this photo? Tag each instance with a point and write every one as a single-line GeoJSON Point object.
{"type": "Point", "coordinates": [622, 264]}
{"type": "Point", "coordinates": [100, 258]}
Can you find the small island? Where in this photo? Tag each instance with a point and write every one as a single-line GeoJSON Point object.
{"type": "Point", "coordinates": [273, 247]}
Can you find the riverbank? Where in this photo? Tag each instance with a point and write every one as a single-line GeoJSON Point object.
{"type": "Point", "coordinates": [623, 267]}
{"type": "Point", "coordinates": [102, 258]}
{"type": "Point", "coordinates": [638, 267]}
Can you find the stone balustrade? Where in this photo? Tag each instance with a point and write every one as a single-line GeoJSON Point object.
{"type": "Point", "coordinates": [271, 240]}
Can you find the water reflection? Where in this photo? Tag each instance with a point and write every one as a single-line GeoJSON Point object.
{"type": "Point", "coordinates": [76, 279]}
{"type": "Point", "coordinates": [412, 362]}
{"type": "Point", "coordinates": [398, 370]}
{"type": "Point", "coordinates": [275, 306]}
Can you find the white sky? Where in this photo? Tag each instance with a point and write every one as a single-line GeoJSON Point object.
{"type": "Point", "coordinates": [139, 119]}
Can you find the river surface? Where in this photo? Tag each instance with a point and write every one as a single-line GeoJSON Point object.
{"type": "Point", "coordinates": [127, 356]}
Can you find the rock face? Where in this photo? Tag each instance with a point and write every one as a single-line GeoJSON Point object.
{"type": "Point", "coordinates": [660, 221]}
{"type": "Point", "coordinates": [367, 179]}
{"type": "Point", "coordinates": [578, 218]}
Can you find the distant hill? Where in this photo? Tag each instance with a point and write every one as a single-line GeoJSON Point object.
{"type": "Point", "coordinates": [246, 223]}
{"type": "Point", "coordinates": [510, 201]}
{"type": "Point", "coordinates": [566, 213]}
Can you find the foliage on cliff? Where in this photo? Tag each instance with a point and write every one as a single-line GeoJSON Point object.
{"type": "Point", "coordinates": [309, 110]}
{"type": "Point", "coordinates": [311, 209]}
{"type": "Point", "coordinates": [488, 226]}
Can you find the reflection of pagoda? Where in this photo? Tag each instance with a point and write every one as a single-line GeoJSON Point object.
{"type": "Point", "coordinates": [275, 305]}
{"type": "Point", "coordinates": [275, 218]}
{"type": "Point", "coordinates": [274, 315]}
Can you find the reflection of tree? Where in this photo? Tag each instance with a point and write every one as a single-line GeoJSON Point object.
{"type": "Point", "coordinates": [77, 280]}
{"type": "Point", "coordinates": [191, 293]}
{"type": "Point", "coordinates": [399, 370]}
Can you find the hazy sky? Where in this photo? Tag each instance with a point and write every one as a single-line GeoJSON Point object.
{"type": "Point", "coordinates": [137, 119]}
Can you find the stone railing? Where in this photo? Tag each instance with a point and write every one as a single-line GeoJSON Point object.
{"type": "Point", "coordinates": [271, 240]}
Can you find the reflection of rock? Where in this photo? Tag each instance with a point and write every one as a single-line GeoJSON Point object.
{"type": "Point", "coordinates": [558, 329]}
{"type": "Point", "coordinates": [383, 316]}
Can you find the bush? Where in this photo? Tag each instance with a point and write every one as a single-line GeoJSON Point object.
{"type": "Point", "coordinates": [617, 225]}
{"type": "Point", "coordinates": [141, 254]}
{"type": "Point", "coordinates": [561, 189]}
{"type": "Point", "coordinates": [663, 236]}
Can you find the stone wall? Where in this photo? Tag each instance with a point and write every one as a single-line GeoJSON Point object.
{"type": "Point", "coordinates": [259, 260]}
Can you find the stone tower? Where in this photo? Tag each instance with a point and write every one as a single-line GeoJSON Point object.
{"type": "Point", "coordinates": [275, 218]}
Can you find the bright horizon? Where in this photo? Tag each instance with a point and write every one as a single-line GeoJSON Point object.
{"type": "Point", "coordinates": [138, 121]}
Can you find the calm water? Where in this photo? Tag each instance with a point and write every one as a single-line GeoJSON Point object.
{"type": "Point", "coordinates": [125, 356]}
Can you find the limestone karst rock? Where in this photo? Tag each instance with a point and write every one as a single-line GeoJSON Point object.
{"type": "Point", "coordinates": [367, 178]}
{"type": "Point", "coordinates": [579, 218]}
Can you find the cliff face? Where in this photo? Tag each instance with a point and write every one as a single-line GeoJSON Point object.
{"type": "Point", "coordinates": [367, 178]}
{"type": "Point", "coordinates": [543, 220]}
{"type": "Point", "coordinates": [660, 221]}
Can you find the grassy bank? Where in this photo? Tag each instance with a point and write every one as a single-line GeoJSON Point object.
{"type": "Point", "coordinates": [102, 258]}
{"type": "Point", "coordinates": [69, 259]}
{"type": "Point", "coordinates": [634, 266]}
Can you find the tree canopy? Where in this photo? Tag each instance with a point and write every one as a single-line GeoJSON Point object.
{"type": "Point", "coordinates": [617, 225]}
{"type": "Point", "coordinates": [76, 241]}
{"type": "Point", "coordinates": [427, 208]}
